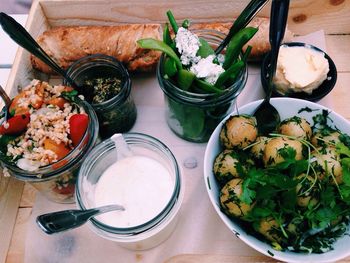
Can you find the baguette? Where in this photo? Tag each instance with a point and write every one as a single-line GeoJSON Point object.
{"type": "Point", "coordinates": [67, 44]}
{"type": "Point", "coordinates": [260, 42]}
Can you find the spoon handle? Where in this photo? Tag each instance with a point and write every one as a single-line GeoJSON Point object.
{"type": "Point", "coordinates": [21, 36]}
{"type": "Point", "coordinates": [5, 97]}
{"type": "Point", "coordinates": [67, 219]}
{"type": "Point", "coordinates": [278, 21]}
{"type": "Point", "coordinates": [242, 21]}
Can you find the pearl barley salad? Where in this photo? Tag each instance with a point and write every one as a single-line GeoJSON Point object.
{"type": "Point", "coordinates": [44, 126]}
{"type": "Point", "coordinates": [291, 188]}
{"type": "Point", "coordinates": [191, 62]}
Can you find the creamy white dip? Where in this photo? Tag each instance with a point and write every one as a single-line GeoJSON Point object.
{"type": "Point", "coordinates": [300, 69]}
{"type": "Point", "coordinates": [142, 185]}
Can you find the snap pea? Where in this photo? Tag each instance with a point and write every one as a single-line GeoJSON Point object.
{"type": "Point", "coordinates": [204, 49]}
{"type": "Point", "coordinates": [233, 70]}
{"type": "Point", "coordinates": [166, 36]}
{"type": "Point", "coordinates": [170, 67]}
{"type": "Point", "coordinates": [172, 21]}
{"type": "Point", "coordinates": [186, 23]}
{"type": "Point", "coordinates": [245, 56]}
{"type": "Point", "coordinates": [150, 43]}
{"type": "Point", "coordinates": [247, 53]}
{"type": "Point", "coordinates": [236, 44]}
{"type": "Point", "coordinates": [207, 86]}
{"type": "Point", "coordinates": [185, 79]}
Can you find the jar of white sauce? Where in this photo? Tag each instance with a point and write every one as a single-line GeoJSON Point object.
{"type": "Point", "coordinates": [147, 184]}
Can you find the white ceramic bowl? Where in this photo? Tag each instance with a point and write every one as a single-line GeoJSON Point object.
{"type": "Point", "coordinates": [287, 107]}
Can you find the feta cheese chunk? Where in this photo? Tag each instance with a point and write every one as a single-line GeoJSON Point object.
{"type": "Point", "coordinates": [205, 68]}
{"type": "Point", "coordinates": [187, 44]}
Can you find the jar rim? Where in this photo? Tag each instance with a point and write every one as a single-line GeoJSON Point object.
{"type": "Point", "coordinates": [107, 146]}
{"type": "Point", "coordinates": [112, 61]}
{"type": "Point", "coordinates": [48, 172]}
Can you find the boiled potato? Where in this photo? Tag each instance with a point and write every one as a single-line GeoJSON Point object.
{"type": "Point", "coordinates": [225, 166]}
{"type": "Point", "coordinates": [229, 199]}
{"type": "Point", "coordinates": [328, 164]}
{"type": "Point", "coordinates": [270, 229]}
{"type": "Point", "coordinates": [259, 146]}
{"type": "Point", "coordinates": [275, 146]}
{"type": "Point", "coordinates": [321, 140]}
{"type": "Point", "coordinates": [238, 131]}
{"type": "Point", "coordinates": [297, 127]}
{"type": "Point", "coordinates": [307, 190]}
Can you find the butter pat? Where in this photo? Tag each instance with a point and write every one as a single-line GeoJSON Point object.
{"type": "Point", "coordinates": [300, 69]}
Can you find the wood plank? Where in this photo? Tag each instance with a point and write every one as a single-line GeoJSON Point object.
{"type": "Point", "coordinates": [308, 16]}
{"type": "Point", "coordinates": [338, 50]}
{"type": "Point", "coordinates": [208, 258]}
{"type": "Point", "coordinates": [28, 196]}
{"type": "Point", "coordinates": [340, 95]}
{"type": "Point", "coordinates": [304, 16]}
{"type": "Point", "coordinates": [17, 247]}
{"type": "Point", "coordinates": [9, 203]}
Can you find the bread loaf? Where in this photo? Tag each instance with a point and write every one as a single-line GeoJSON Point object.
{"type": "Point", "coordinates": [260, 41]}
{"type": "Point", "coordinates": [67, 44]}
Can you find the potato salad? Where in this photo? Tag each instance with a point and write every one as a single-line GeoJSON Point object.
{"type": "Point", "coordinates": [290, 188]}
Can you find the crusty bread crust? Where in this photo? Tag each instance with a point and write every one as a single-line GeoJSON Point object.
{"type": "Point", "coordinates": [260, 42]}
{"type": "Point", "coordinates": [68, 44]}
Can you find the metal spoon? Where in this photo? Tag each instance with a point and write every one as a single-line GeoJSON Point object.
{"type": "Point", "coordinates": [20, 35]}
{"type": "Point", "coordinates": [242, 21]}
{"type": "Point", "coordinates": [68, 219]}
{"type": "Point", "coordinates": [266, 115]}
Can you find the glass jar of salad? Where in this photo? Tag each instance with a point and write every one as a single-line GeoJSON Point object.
{"type": "Point", "coordinates": [107, 87]}
{"type": "Point", "coordinates": [193, 114]}
{"type": "Point", "coordinates": [47, 151]}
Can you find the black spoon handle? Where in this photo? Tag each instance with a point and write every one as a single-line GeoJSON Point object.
{"type": "Point", "coordinates": [278, 21]}
{"type": "Point", "coordinates": [20, 35]}
{"type": "Point", "coordinates": [5, 97]}
{"type": "Point", "coordinates": [242, 21]}
{"type": "Point", "coordinates": [56, 222]}
{"type": "Point", "coordinates": [63, 220]}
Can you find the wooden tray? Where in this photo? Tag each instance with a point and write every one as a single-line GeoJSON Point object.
{"type": "Point", "coordinates": [304, 17]}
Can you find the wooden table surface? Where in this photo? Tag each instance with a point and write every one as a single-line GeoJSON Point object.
{"type": "Point", "coordinates": [338, 47]}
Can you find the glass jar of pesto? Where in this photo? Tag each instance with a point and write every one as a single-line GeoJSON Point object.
{"type": "Point", "coordinates": [107, 87]}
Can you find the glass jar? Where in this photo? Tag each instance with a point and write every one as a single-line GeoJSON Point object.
{"type": "Point", "coordinates": [147, 234]}
{"type": "Point", "coordinates": [118, 113]}
{"type": "Point", "coordinates": [194, 116]}
{"type": "Point", "coordinates": [57, 180]}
